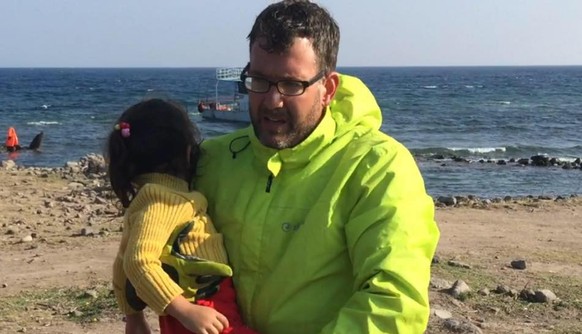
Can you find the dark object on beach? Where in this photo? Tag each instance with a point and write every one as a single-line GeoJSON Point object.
{"type": "Point", "coordinates": [518, 264]}
{"type": "Point", "coordinates": [36, 141]}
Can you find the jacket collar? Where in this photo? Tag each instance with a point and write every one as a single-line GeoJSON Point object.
{"type": "Point", "coordinates": [299, 155]}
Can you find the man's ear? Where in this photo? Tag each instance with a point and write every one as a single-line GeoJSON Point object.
{"type": "Point", "coordinates": [331, 84]}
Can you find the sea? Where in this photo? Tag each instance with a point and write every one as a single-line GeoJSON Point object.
{"type": "Point", "coordinates": [459, 122]}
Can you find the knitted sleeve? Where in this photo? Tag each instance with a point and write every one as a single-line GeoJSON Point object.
{"type": "Point", "coordinates": [155, 214]}
{"type": "Point", "coordinates": [119, 286]}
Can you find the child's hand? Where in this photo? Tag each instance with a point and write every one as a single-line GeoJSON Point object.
{"type": "Point", "coordinates": [136, 324]}
{"type": "Point", "coordinates": [197, 318]}
{"type": "Point", "coordinates": [203, 320]}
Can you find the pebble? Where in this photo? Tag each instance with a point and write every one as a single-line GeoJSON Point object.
{"type": "Point", "coordinates": [91, 293]}
{"type": "Point", "coordinates": [442, 314]}
{"type": "Point", "coordinates": [518, 264]}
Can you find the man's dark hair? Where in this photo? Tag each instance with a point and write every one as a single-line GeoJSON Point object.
{"type": "Point", "coordinates": [281, 22]}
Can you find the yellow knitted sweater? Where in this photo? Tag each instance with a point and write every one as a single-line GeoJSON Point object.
{"type": "Point", "coordinates": [162, 205]}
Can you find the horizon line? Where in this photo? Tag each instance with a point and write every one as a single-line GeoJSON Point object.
{"type": "Point", "coordinates": [338, 67]}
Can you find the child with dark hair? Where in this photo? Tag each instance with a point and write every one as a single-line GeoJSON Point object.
{"type": "Point", "coordinates": [171, 257]}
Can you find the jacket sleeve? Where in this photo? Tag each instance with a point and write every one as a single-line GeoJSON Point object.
{"type": "Point", "coordinates": [391, 237]}
{"type": "Point", "coordinates": [156, 216]}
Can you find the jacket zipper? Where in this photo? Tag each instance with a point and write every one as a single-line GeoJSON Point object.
{"type": "Point", "coordinates": [269, 183]}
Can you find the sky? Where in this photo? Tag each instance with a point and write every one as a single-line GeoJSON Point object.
{"type": "Point", "coordinates": [212, 33]}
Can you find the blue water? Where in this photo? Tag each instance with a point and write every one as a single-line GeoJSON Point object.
{"type": "Point", "coordinates": [470, 112]}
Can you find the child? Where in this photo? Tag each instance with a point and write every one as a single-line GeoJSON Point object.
{"type": "Point", "coordinates": [170, 258]}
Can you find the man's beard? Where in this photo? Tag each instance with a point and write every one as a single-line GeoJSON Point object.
{"type": "Point", "coordinates": [293, 134]}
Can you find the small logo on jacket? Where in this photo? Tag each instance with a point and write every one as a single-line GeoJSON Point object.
{"type": "Point", "coordinates": [288, 227]}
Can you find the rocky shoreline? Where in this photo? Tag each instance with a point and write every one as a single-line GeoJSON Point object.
{"type": "Point", "coordinates": [93, 167]}
{"type": "Point", "coordinates": [484, 203]}
{"type": "Point", "coordinates": [540, 160]}
{"type": "Point", "coordinates": [84, 206]}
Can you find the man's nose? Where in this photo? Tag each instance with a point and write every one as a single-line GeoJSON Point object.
{"type": "Point", "coordinates": [273, 99]}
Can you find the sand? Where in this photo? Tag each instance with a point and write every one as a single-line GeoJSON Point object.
{"type": "Point", "coordinates": [60, 228]}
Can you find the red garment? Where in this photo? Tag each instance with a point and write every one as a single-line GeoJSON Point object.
{"type": "Point", "coordinates": [11, 138]}
{"type": "Point", "coordinates": [224, 301]}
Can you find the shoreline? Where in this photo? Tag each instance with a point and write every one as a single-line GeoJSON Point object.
{"type": "Point", "coordinates": [93, 164]}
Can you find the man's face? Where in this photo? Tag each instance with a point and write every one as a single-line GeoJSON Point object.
{"type": "Point", "coordinates": [282, 121]}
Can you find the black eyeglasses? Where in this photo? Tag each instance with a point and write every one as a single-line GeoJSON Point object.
{"type": "Point", "coordinates": [285, 87]}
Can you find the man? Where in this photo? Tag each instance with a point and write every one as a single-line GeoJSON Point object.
{"type": "Point", "coordinates": [326, 220]}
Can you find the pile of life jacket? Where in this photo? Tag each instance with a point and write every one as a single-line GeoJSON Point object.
{"type": "Point", "coordinates": [12, 140]}
{"type": "Point", "coordinates": [12, 144]}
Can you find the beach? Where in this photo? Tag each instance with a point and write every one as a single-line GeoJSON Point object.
{"type": "Point", "coordinates": [60, 230]}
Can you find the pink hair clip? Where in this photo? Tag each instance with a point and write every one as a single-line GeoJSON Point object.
{"type": "Point", "coordinates": [124, 127]}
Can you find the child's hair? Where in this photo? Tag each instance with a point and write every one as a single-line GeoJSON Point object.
{"type": "Point", "coordinates": [151, 136]}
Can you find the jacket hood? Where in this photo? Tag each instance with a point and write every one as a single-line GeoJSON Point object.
{"type": "Point", "coordinates": [354, 105]}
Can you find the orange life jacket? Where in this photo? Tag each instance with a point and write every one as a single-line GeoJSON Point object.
{"type": "Point", "coordinates": [11, 138]}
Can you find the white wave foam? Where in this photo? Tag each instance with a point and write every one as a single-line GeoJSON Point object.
{"type": "Point", "coordinates": [478, 149]}
{"type": "Point", "coordinates": [564, 158]}
{"type": "Point", "coordinates": [430, 87]}
{"type": "Point", "coordinates": [568, 159]}
{"type": "Point", "coordinates": [43, 123]}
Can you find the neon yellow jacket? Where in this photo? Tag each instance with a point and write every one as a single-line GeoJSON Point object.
{"type": "Point", "coordinates": [335, 235]}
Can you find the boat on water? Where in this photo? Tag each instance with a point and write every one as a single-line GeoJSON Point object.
{"type": "Point", "coordinates": [233, 108]}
